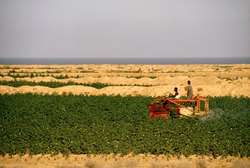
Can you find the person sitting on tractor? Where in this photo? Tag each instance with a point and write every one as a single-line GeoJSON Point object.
{"type": "Point", "coordinates": [176, 95]}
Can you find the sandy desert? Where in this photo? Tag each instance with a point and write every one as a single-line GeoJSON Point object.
{"type": "Point", "coordinates": [207, 80]}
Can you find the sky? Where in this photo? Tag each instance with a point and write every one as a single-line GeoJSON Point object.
{"type": "Point", "coordinates": [124, 28]}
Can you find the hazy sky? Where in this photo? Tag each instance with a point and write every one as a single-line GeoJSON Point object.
{"type": "Point", "coordinates": [124, 28]}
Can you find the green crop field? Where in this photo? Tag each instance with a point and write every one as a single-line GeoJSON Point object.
{"type": "Point", "coordinates": [52, 124]}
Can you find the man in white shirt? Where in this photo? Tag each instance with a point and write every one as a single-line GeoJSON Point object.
{"type": "Point", "coordinates": [176, 95]}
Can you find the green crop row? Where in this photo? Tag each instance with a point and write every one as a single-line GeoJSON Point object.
{"type": "Point", "coordinates": [35, 74]}
{"type": "Point", "coordinates": [52, 124]}
{"type": "Point", "coordinates": [32, 75]}
{"type": "Point", "coordinates": [97, 85]}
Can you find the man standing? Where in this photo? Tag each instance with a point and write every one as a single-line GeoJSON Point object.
{"type": "Point", "coordinates": [190, 90]}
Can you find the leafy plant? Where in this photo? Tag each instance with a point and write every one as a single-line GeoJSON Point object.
{"type": "Point", "coordinates": [50, 124]}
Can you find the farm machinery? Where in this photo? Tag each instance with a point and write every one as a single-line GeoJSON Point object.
{"type": "Point", "coordinates": [196, 106]}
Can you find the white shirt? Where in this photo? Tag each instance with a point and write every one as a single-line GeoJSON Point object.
{"type": "Point", "coordinates": [177, 96]}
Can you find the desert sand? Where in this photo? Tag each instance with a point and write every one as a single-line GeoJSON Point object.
{"type": "Point", "coordinates": [207, 80]}
{"type": "Point", "coordinates": [129, 161]}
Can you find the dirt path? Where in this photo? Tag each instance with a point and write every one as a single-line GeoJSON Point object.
{"type": "Point", "coordinates": [110, 161]}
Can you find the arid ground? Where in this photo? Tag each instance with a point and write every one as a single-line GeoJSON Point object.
{"type": "Point", "coordinates": [110, 161]}
{"type": "Point", "coordinates": [207, 80]}
{"type": "Point", "coordinates": [153, 80]}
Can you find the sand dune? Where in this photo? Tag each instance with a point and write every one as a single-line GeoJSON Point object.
{"type": "Point", "coordinates": [209, 90]}
{"type": "Point", "coordinates": [207, 80]}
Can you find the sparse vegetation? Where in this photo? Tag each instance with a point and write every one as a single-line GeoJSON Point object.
{"type": "Point", "coordinates": [32, 75]}
{"type": "Point", "coordinates": [199, 89]}
{"type": "Point", "coordinates": [139, 77]}
{"type": "Point", "coordinates": [17, 75]}
{"type": "Point", "coordinates": [61, 76]}
{"type": "Point", "coordinates": [96, 85]}
{"type": "Point", "coordinates": [57, 71]}
{"type": "Point", "coordinates": [156, 70]}
{"type": "Point", "coordinates": [119, 71]}
{"type": "Point", "coordinates": [225, 66]}
{"type": "Point", "coordinates": [43, 68]}
{"type": "Point", "coordinates": [12, 71]}
{"type": "Point", "coordinates": [88, 71]}
{"type": "Point", "coordinates": [35, 74]}
{"type": "Point", "coordinates": [7, 67]}
{"type": "Point", "coordinates": [175, 71]}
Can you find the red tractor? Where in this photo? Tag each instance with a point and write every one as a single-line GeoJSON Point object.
{"type": "Point", "coordinates": [183, 107]}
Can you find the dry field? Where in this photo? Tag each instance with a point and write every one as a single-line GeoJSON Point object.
{"type": "Point", "coordinates": [110, 161]}
{"type": "Point", "coordinates": [207, 80]}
